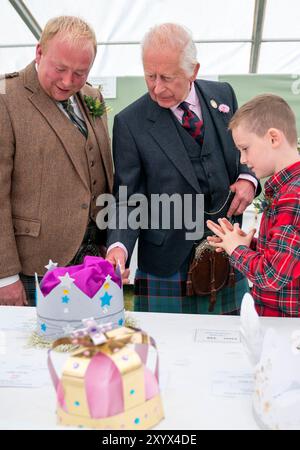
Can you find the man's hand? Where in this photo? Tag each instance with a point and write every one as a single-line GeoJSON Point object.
{"type": "Point", "coordinates": [244, 194]}
{"type": "Point", "coordinates": [230, 238]}
{"type": "Point", "coordinates": [117, 256]}
{"type": "Point", "coordinates": [13, 295]}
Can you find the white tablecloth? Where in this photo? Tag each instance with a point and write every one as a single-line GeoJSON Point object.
{"type": "Point", "coordinates": [205, 384]}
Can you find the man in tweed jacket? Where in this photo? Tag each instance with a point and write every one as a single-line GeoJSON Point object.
{"type": "Point", "coordinates": [51, 173]}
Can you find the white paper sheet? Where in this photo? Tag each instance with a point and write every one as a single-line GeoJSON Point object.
{"type": "Point", "coordinates": [232, 384]}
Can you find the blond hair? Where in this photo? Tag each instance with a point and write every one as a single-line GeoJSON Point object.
{"type": "Point", "coordinates": [266, 111]}
{"type": "Point", "coordinates": [174, 37]}
{"type": "Point", "coordinates": [72, 29]}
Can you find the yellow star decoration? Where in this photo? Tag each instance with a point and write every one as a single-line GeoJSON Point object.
{"type": "Point", "coordinates": [106, 286]}
{"type": "Point", "coordinates": [65, 291]}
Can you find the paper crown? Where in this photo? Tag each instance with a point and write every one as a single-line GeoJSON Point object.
{"type": "Point", "coordinates": [106, 383]}
{"type": "Point", "coordinates": [276, 398]}
{"type": "Point", "coordinates": [69, 294]}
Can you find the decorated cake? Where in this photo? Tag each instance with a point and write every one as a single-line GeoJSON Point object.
{"type": "Point", "coordinates": [106, 383]}
{"type": "Point", "coordinates": [276, 399]}
{"type": "Point", "coordinates": [67, 295]}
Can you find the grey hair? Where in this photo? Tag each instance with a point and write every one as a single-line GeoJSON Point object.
{"type": "Point", "coordinates": [175, 37]}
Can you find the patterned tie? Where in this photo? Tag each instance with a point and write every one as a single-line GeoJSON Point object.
{"type": "Point", "coordinates": [77, 121]}
{"type": "Point", "coordinates": [192, 123]}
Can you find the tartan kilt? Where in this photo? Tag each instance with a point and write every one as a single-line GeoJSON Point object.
{"type": "Point", "coordinates": [168, 294]}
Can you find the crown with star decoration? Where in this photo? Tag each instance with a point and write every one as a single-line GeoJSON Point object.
{"type": "Point", "coordinates": [275, 356]}
{"type": "Point", "coordinates": [67, 295]}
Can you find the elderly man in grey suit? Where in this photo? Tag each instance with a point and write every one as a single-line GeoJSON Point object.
{"type": "Point", "coordinates": [55, 160]}
{"type": "Point", "coordinates": [175, 140]}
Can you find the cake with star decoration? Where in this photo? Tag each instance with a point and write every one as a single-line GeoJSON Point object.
{"type": "Point", "coordinates": [110, 381]}
{"type": "Point", "coordinates": [275, 356]}
{"type": "Point", "coordinates": [67, 295]}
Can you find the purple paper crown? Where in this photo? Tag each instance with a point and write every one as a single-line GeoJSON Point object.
{"type": "Point", "coordinates": [69, 294]}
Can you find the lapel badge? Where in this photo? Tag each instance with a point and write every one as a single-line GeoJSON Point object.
{"type": "Point", "coordinates": [213, 103]}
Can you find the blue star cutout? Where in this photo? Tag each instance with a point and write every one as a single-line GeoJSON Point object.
{"type": "Point", "coordinates": [43, 327]}
{"type": "Point", "coordinates": [120, 323]}
{"type": "Point", "coordinates": [106, 299]}
{"type": "Point", "coordinates": [65, 299]}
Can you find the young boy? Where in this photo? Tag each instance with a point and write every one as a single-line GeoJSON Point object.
{"type": "Point", "coordinates": [264, 131]}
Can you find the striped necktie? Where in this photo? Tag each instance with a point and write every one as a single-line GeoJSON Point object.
{"type": "Point", "coordinates": [192, 123]}
{"type": "Point", "coordinates": [77, 121]}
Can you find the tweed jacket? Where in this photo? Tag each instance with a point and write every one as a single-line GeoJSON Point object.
{"type": "Point", "coordinates": [50, 175]}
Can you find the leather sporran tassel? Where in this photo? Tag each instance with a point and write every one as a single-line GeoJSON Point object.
{"type": "Point", "coordinates": [189, 283]}
{"type": "Point", "coordinates": [208, 272]}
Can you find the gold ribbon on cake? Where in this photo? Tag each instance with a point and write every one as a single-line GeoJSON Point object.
{"type": "Point", "coordinates": [115, 344]}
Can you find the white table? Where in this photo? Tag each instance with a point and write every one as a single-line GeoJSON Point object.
{"type": "Point", "coordinates": [204, 385]}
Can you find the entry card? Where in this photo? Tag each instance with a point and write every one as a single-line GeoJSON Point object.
{"type": "Point", "coordinates": [218, 336]}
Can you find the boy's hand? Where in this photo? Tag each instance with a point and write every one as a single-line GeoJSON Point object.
{"type": "Point", "coordinates": [230, 236]}
{"type": "Point", "coordinates": [216, 239]}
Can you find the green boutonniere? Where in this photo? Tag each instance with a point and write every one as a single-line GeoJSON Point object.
{"type": "Point", "coordinates": [95, 106]}
{"type": "Point", "coordinates": [262, 204]}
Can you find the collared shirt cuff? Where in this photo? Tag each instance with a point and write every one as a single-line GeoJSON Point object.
{"type": "Point", "coordinates": [245, 176]}
{"type": "Point", "coordinates": [118, 244]}
{"type": "Point", "coordinates": [8, 280]}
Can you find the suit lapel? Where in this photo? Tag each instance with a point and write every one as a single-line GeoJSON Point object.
{"type": "Point", "coordinates": [56, 120]}
{"type": "Point", "coordinates": [61, 126]}
{"type": "Point", "coordinates": [166, 136]}
{"type": "Point", "coordinates": [219, 119]}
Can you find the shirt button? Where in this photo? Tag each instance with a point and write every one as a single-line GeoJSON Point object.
{"type": "Point", "coordinates": [94, 182]}
{"type": "Point", "coordinates": [92, 163]}
{"type": "Point", "coordinates": [84, 206]}
{"type": "Point", "coordinates": [27, 231]}
{"type": "Point", "coordinates": [91, 148]}
{"type": "Point", "coordinates": [94, 198]}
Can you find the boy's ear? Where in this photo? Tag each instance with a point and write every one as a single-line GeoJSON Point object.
{"type": "Point", "coordinates": [275, 136]}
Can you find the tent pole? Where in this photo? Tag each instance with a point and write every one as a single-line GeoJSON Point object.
{"type": "Point", "coordinates": [27, 17]}
{"type": "Point", "coordinates": [258, 23]}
